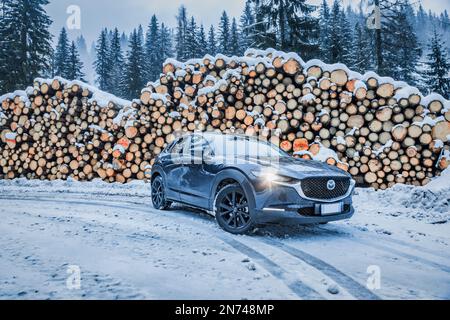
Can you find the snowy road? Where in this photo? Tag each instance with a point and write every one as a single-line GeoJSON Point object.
{"type": "Point", "coordinates": [127, 250]}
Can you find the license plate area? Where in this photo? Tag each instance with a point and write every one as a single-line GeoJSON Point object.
{"type": "Point", "coordinates": [331, 209]}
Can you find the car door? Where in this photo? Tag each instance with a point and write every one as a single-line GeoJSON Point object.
{"type": "Point", "coordinates": [172, 162]}
{"type": "Point", "coordinates": [198, 176]}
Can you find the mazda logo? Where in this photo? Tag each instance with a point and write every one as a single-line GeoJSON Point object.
{"type": "Point", "coordinates": [331, 185]}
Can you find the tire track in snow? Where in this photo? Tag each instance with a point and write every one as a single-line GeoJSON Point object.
{"type": "Point", "coordinates": [336, 275]}
{"type": "Point", "coordinates": [346, 282]}
{"type": "Point", "coordinates": [299, 288]}
{"type": "Point", "coordinates": [399, 253]}
{"type": "Point", "coordinates": [392, 241]}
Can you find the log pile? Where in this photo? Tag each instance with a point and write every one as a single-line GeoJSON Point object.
{"type": "Point", "coordinates": [59, 129]}
{"type": "Point", "coordinates": [381, 131]}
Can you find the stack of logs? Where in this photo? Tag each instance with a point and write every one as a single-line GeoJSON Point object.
{"type": "Point", "coordinates": [56, 130]}
{"type": "Point", "coordinates": [382, 132]}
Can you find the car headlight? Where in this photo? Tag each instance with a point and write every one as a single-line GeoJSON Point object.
{"type": "Point", "coordinates": [272, 177]}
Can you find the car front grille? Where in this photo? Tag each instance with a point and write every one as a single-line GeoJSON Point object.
{"type": "Point", "coordinates": [317, 188]}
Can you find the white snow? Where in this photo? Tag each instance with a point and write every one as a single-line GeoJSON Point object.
{"type": "Point", "coordinates": [386, 146]}
{"type": "Point", "coordinates": [127, 250]}
{"type": "Point", "coordinates": [10, 136]}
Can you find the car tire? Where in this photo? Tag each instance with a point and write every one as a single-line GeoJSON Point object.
{"type": "Point", "coordinates": [233, 211]}
{"type": "Point", "coordinates": [159, 195]}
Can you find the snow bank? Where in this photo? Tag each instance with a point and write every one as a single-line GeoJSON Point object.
{"type": "Point", "coordinates": [430, 204]}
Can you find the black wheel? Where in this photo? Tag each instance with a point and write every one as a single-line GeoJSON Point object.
{"type": "Point", "coordinates": [233, 211]}
{"type": "Point", "coordinates": [158, 195]}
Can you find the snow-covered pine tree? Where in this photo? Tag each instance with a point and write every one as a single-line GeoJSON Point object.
{"type": "Point", "coordinates": [74, 65]}
{"type": "Point", "coordinates": [191, 47]}
{"type": "Point", "coordinates": [334, 46]}
{"type": "Point", "coordinates": [247, 26]}
{"type": "Point", "coordinates": [151, 49]}
{"type": "Point", "coordinates": [438, 67]}
{"type": "Point", "coordinates": [182, 25]}
{"type": "Point", "coordinates": [262, 37]}
{"type": "Point", "coordinates": [165, 46]}
{"type": "Point", "coordinates": [141, 34]}
{"type": "Point", "coordinates": [212, 44]}
{"type": "Point", "coordinates": [224, 34]}
{"type": "Point", "coordinates": [445, 20]}
{"type": "Point", "coordinates": [400, 48]}
{"type": "Point", "coordinates": [202, 42]}
{"type": "Point", "coordinates": [60, 60]}
{"type": "Point", "coordinates": [102, 63]}
{"type": "Point", "coordinates": [324, 25]}
{"type": "Point", "coordinates": [81, 45]}
{"type": "Point", "coordinates": [293, 25]}
{"type": "Point", "coordinates": [362, 49]}
{"type": "Point", "coordinates": [25, 43]}
{"type": "Point", "coordinates": [235, 48]}
{"type": "Point", "coordinates": [124, 41]}
{"type": "Point", "coordinates": [346, 56]}
{"type": "Point", "coordinates": [134, 75]}
{"type": "Point", "coordinates": [116, 61]}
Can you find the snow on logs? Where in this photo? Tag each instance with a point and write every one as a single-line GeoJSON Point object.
{"type": "Point", "coordinates": [58, 129]}
{"type": "Point", "coordinates": [381, 131]}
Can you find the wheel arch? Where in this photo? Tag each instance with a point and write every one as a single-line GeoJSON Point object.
{"type": "Point", "coordinates": [232, 176]}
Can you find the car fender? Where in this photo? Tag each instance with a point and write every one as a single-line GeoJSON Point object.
{"type": "Point", "coordinates": [159, 170]}
{"type": "Point", "coordinates": [238, 176]}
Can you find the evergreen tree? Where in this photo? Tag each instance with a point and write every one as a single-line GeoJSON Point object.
{"type": "Point", "coordinates": [134, 78]}
{"type": "Point", "coordinates": [165, 45]}
{"type": "Point", "coordinates": [346, 56]}
{"type": "Point", "coordinates": [335, 45]}
{"type": "Point", "coordinates": [102, 63]}
{"type": "Point", "coordinates": [192, 46]}
{"type": "Point", "coordinates": [437, 74]}
{"type": "Point", "coordinates": [25, 44]}
{"type": "Point", "coordinates": [81, 45]}
{"type": "Point", "coordinates": [60, 66]}
{"type": "Point", "coordinates": [235, 48]}
{"type": "Point", "coordinates": [362, 54]}
{"type": "Point", "coordinates": [182, 25]}
{"type": "Point", "coordinates": [202, 42]}
{"type": "Point", "coordinates": [151, 49]}
{"type": "Point", "coordinates": [74, 65]}
{"type": "Point", "coordinates": [224, 37]}
{"type": "Point", "coordinates": [212, 44]}
{"type": "Point", "coordinates": [247, 26]}
{"type": "Point", "coordinates": [400, 47]}
{"type": "Point", "coordinates": [292, 25]}
{"type": "Point", "coordinates": [124, 41]}
{"type": "Point", "coordinates": [116, 61]}
{"type": "Point", "coordinates": [324, 31]}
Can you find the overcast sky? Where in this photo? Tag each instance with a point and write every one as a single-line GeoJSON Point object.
{"type": "Point", "coordinates": [126, 15]}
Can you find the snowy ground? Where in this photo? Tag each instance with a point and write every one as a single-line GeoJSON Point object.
{"type": "Point", "coordinates": [127, 250]}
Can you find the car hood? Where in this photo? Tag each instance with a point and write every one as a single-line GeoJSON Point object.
{"type": "Point", "coordinates": [287, 166]}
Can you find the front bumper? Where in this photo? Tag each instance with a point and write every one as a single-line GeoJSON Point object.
{"type": "Point", "coordinates": [285, 204]}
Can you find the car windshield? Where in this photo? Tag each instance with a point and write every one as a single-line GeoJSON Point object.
{"type": "Point", "coordinates": [237, 146]}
